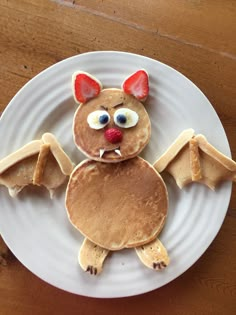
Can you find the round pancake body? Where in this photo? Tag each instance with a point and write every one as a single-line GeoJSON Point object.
{"type": "Point", "coordinates": [117, 205]}
{"type": "Point", "coordinates": [90, 141]}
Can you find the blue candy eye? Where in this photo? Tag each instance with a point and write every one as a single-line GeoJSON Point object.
{"type": "Point", "coordinates": [103, 119]}
{"type": "Point", "coordinates": [98, 119]}
{"type": "Point", "coordinates": [125, 118]}
{"type": "Point", "coordinates": [121, 118]}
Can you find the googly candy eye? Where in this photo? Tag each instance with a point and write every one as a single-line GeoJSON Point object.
{"type": "Point", "coordinates": [98, 119]}
{"type": "Point", "coordinates": [125, 118]}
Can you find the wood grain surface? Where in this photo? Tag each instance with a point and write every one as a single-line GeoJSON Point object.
{"type": "Point", "coordinates": [195, 37]}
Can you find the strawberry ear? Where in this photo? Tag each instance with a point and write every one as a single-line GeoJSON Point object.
{"type": "Point", "coordinates": [137, 85]}
{"type": "Point", "coordinates": [85, 86]}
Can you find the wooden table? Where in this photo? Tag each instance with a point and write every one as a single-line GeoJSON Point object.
{"type": "Point", "coordinates": [193, 36]}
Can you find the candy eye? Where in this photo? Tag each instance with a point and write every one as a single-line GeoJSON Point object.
{"type": "Point", "coordinates": [98, 119]}
{"type": "Point", "coordinates": [125, 118]}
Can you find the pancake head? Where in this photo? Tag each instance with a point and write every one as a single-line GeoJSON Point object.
{"type": "Point", "coordinates": [110, 125]}
{"type": "Point", "coordinates": [94, 143]}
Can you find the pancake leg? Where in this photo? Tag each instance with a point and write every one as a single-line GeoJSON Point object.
{"type": "Point", "coordinates": [91, 257]}
{"type": "Point", "coordinates": [153, 255]}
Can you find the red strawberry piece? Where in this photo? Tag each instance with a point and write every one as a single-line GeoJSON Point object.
{"type": "Point", "coordinates": [85, 87]}
{"type": "Point", "coordinates": [113, 135]}
{"type": "Point", "coordinates": [137, 85]}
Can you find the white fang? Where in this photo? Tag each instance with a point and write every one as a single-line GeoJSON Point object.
{"type": "Point", "coordinates": [118, 152]}
{"type": "Point", "coordinates": [101, 152]}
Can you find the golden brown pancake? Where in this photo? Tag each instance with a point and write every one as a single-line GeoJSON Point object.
{"type": "Point", "coordinates": [25, 165]}
{"type": "Point", "coordinates": [21, 174]}
{"type": "Point", "coordinates": [117, 205]}
{"type": "Point", "coordinates": [171, 153]}
{"type": "Point", "coordinates": [193, 159]}
{"type": "Point", "coordinates": [89, 254]}
{"type": "Point", "coordinates": [153, 255]}
{"type": "Point", "coordinates": [91, 141]}
{"type": "Point", "coordinates": [215, 166]}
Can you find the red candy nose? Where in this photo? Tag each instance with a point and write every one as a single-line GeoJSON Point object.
{"type": "Point", "coordinates": [113, 135]}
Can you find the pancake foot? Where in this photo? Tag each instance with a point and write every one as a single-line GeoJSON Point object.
{"type": "Point", "coordinates": [91, 257]}
{"type": "Point", "coordinates": [153, 255]}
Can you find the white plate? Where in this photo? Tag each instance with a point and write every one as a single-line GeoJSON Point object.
{"type": "Point", "coordinates": [36, 228]}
